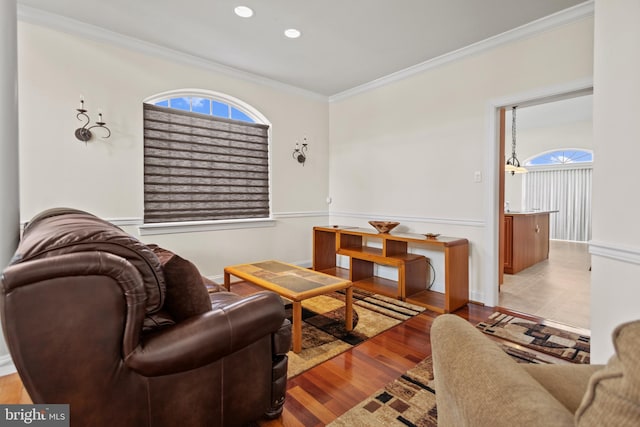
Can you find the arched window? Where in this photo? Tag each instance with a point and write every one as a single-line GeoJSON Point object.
{"type": "Point", "coordinates": [209, 106]}
{"type": "Point", "coordinates": [560, 157]}
{"type": "Point", "coordinates": [206, 158]}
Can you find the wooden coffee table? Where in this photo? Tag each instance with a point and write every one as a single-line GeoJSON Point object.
{"type": "Point", "coordinates": [293, 283]}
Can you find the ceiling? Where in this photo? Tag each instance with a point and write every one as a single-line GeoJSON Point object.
{"type": "Point", "coordinates": [344, 43]}
{"type": "Point", "coordinates": [556, 113]}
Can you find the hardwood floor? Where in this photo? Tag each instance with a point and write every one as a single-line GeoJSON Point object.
{"type": "Point", "coordinates": [318, 396]}
{"type": "Point", "coordinates": [12, 391]}
{"type": "Point", "coordinates": [321, 394]}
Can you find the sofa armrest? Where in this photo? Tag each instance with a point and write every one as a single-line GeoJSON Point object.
{"type": "Point", "coordinates": [478, 384]}
{"type": "Point", "coordinates": [205, 338]}
{"type": "Point", "coordinates": [567, 383]}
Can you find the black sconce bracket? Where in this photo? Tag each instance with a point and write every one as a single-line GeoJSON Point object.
{"type": "Point", "coordinates": [84, 133]}
{"type": "Point", "coordinates": [300, 152]}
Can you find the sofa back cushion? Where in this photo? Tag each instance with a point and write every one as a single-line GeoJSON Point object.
{"type": "Point", "coordinates": [613, 395]}
{"type": "Point", "coordinates": [64, 230]}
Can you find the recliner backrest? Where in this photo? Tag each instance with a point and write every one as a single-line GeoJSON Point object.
{"type": "Point", "coordinates": [60, 231]}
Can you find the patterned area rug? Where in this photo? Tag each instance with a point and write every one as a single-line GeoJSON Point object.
{"type": "Point", "coordinates": [552, 340]}
{"type": "Point", "coordinates": [409, 400]}
{"type": "Point", "coordinates": [323, 330]}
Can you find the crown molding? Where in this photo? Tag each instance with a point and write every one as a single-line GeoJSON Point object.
{"type": "Point", "coordinates": [78, 28]}
{"type": "Point", "coordinates": [538, 26]}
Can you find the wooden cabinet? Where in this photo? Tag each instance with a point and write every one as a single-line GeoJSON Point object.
{"type": "Point", "coordinates": [412, 268]}
{"type": "Point", "coordinates": [526, 241]}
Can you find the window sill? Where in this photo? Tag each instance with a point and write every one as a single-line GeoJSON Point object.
{"type": "Point", "coordinates": [198, 226]}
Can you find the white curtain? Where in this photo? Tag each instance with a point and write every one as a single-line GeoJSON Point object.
{"type": "Point", "coordinates": [567, 190]}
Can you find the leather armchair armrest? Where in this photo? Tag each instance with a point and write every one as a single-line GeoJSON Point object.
{"type": "Point", "coordinates": [205, 338]}
{"type": "Point", "coordinates": [282, 339]}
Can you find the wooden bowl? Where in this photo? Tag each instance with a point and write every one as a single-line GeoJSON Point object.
{"type": "Point", "coordinates": [384, 226]}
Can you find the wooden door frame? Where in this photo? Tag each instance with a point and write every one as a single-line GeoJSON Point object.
{"type": "Point", "coordinates": [501, 165]}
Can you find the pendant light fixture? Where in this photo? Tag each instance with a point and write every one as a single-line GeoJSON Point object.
{"type": "Point", "coordinates": [513, 164]}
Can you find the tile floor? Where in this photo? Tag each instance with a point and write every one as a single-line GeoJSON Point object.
{"type": "Point", "coordinates": [557, 289]}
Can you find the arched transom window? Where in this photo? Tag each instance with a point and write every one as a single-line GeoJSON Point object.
{"type": "Point", "coordinates": [561, 157]}
{"type": "Point", "coordinates": [209, 106]}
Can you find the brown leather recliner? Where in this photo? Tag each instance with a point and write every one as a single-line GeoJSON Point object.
{"type": "Point", "coordinates": [90, 321]}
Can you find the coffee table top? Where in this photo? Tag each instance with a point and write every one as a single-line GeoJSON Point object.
{"type": "Point", "coordinates": [288, 280]}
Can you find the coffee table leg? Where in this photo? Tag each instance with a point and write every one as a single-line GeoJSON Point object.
{"type": "Point", "coordinates": [349, 309]}
{"type": "Point", "coordinates": [227, 281]}
{"type": "Point", "coordinates": [297, 326]}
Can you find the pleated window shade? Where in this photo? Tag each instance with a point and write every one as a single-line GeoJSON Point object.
{"type": "Point", "coordinates": [200, 168]}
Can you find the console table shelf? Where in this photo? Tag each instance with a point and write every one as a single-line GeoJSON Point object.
{"type": "Point", "coordinates": [375, 255]}
{"type": "Point", "coordinates": [413, 269]}
{"type": "Point", "coordinates": [378, 285]}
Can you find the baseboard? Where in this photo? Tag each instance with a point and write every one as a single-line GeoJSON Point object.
{"type": "Point", "coordinates": [6, 366]}
{"type": "Point", "coordinates": [477, 298]}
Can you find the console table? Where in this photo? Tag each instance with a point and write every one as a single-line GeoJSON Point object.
{"type": "Point", "coordinates": [413, 269]}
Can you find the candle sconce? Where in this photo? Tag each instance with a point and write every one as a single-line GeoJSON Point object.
{"type": "Point", "coordinates": [300, 152]}
{"type": "Point", "coordinates": [84, 133]}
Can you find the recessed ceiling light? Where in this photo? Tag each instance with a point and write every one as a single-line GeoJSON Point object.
{"type": "Point", "coordinates": [292, 33]}
{"type": "Point", "coordinates": [243, 11]}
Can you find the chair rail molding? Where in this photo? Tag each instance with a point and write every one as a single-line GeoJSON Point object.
{"type": "Point", "coordinates": [194, 226]}
{"type": "Point", "coordinates": [301, 214]}
{"type": "Point", "coordinates": [427, 220]}
{"type": "Point", "coordinates": [616, 252]}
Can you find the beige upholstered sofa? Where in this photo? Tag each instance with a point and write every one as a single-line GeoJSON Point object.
{"type": "Point", "coordinates": [477, 384]}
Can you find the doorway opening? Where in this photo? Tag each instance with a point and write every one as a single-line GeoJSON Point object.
{"type": "Point", "coordinates": [558, 286]}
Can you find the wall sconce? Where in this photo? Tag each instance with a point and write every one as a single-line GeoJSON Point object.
{"type": "Point", "coordinates": [300, 152]}
{"type": "Point", "coordinates": [84, 133]}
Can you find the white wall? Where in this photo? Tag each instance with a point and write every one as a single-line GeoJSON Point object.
{"type": "Point", "coordinates": [9, 214]}
{"type": "Point", "coordinates": [615, 283]}
{"type": "Point", "coordinates": [106, 177]}
{"type": "Point", "coordinates": [409, 150]}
